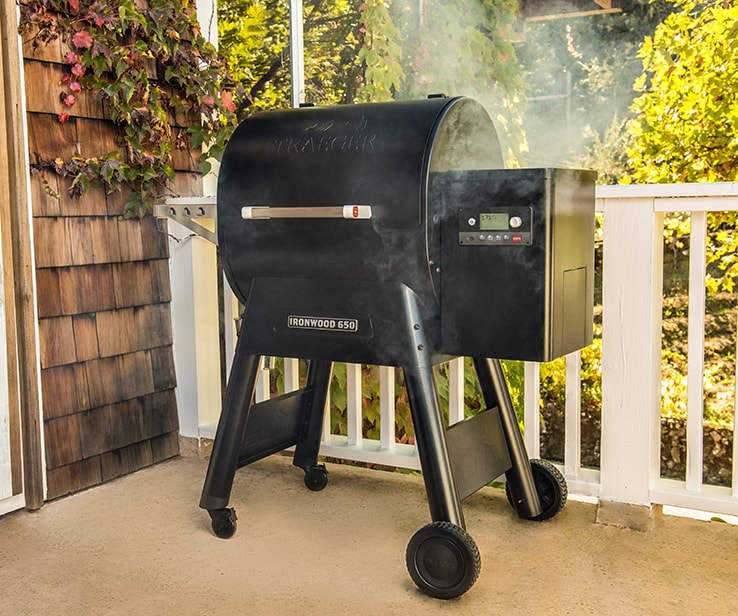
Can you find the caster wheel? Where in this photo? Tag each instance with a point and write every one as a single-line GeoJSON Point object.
{"type": "Point", "coordinates": [550, 487]}
{"type": "Point", "coordinates": [223, 522]}
{"type": "Point", "coordinates": [316, 477]}
{"type": "Point", "coordinates": [443, 560]}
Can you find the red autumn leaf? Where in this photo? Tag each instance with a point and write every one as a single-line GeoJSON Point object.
{"type": "Point", "coordinates": [75, 87]}
{"type": "Point", "coordinates": [74, 4]}
{"type": "Point", "coordinates": [82, 39]}
{"type": "Point", "coordinates": [227, 98]}
{"type": "Point", "coordinates": [208, 100]}
{"type": "Point", "coordinates": [65, 78]}
{"type": "Point", "coordinates": [78, 70]}
{"type": "Point", "coordinates": [68, 99]}
{"type": "Point", "coordinates": [63, 117]}
{"type": "Point", "coordinates": [72, 58]}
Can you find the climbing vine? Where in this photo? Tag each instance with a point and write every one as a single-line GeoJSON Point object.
{"type": "Point", "coordinates": [147, 62]}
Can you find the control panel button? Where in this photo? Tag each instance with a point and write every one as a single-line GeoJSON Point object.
{"type": "Point", "coordinates": [472, 221]}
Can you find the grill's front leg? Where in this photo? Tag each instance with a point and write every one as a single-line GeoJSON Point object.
{"type": "Point", "coordinates": [228, 438]}
{"type": "Point", "coordinates": [430, 439]}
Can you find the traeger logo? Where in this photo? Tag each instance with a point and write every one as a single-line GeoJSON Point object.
{"type": "Point", "coordinates": [328, 324]}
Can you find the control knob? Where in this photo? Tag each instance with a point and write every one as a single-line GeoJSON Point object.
{"type": "Point", "coordinates": [516, 222]}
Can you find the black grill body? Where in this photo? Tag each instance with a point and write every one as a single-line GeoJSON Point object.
{"type": "Point", "coordinates": [390, 234]}
{"type": "Point", "coordinates": [332, 268]}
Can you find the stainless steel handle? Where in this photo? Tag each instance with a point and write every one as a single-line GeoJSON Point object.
{"type": "Point", "coordinates": [349, 212]}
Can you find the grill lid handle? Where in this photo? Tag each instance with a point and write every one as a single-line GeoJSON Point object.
{"type": "Point", "coordinates": [349, 212]}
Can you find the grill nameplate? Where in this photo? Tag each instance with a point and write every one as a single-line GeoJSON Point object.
{"type": "Point", "coordinates": [325, 324]}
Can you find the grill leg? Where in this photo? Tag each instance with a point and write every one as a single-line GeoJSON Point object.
{"type": "Point", "coordinates": [318, 380]}
{"type": "Point", "coordinates": [519, 477]}
{"type": "Point", "coordinates": [430, 438]}
{"type": "Point", "coordinates": [230, 434]}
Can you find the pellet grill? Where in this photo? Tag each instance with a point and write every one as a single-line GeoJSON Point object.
{"type": "Point", "coordinates": [391, 234]}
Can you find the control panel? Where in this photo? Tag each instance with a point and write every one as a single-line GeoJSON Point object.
{"type": "Point", "coordinates": [486, 226]}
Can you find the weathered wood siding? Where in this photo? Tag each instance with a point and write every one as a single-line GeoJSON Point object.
{"type": "Point", "coordinates": [107, 371]}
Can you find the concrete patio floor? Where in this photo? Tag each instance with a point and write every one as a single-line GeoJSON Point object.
{"type": "Point", "coordinates": [140, 545]}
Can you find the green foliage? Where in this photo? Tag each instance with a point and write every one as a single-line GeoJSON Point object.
{"type": "Point", "coordinates": [146, 63]}
{"type": "Point", "coordinates": [370, 404]}
{"type": "Point", "coordinates": [473, 400]}
{"type": "Point", "coordinates": [380, 52]}
{"type": "Point", "coordinates": [553, 377]}
{"type": "Point", "coordinates": [718, 379]}
{"type": "Point", "coordinates": [686, 128]}
{"type": "Point", "coordinates": [686, 124]}
{"type": "Point", "coordinates": [351, 48]}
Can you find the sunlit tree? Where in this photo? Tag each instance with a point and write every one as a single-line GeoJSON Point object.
{"type": "Point", "coordinates": [686, 127]}
{"type": "Point", "coordinates": [352, 50]}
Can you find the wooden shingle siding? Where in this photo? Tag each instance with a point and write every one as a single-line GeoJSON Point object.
{"type": "Point", "coordinates": [85, 337]}
{"type": "Point", "coordinates": [135, 284]}
{"type": "Point", "coordinates": [56, 337]}
{"type": "Point", "coordinates": [86, 289]}
{"type": "Point", "coordinates": [73, 477]}
{"type": "Point", "coordinates": [103, 297]}
{"type": "Point", "coordinates": [65, 390]}
{"type": "Point", "coordinates": [49, 139]}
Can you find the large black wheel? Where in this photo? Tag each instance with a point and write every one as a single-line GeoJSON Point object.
{"type": "Point", "coordinates": [550, 487]}
{"type": "Point", "coordinates": [316, 477]}
{"type": "Point", "coordinates": [223, 522]}
{"type": "Point", "coordinates": [443, 560]}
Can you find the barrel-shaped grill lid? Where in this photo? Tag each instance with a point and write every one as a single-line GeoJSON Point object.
{"type": "Point", "coordinates": [377, 154]}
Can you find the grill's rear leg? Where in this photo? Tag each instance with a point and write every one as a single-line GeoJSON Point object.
{"type": "Point", "coordinates": [520, 481]}
{"type": "Point", "coordinates": [306, 450]}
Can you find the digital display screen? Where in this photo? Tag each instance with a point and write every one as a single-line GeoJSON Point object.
{"type": "Point", "coordinates": [489, 221]}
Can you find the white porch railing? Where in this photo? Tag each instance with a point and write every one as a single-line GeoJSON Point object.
{"type": "Point", "coordinates": [631, 361]}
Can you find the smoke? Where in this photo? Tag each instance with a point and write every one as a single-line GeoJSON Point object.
{"type": "Point", "coordinates": [551, 85]}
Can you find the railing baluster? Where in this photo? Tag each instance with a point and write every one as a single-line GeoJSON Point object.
{"type": "Point", "coordinates": [696, 350]}
{"type": "Point", "coordinates": [326, 435]}
{"type": "Point", "coordinates": [353, 403]}
{"type": "Point", "coordinates": [386, 408]}
{"type": "Point", "coordinates": [734, 475]}
{"type": "Point", "coordinates": [291, 374]}
{"type": "Point", "coordinates": [532, 408]}
{"type": "Point", "coordinates": [456, 390]}
{"type": "Point", "coordinates": [573, 415]}
{"type": "Point", "coordinates": [734, 482]}
{"type": "Point", "coordinates": [262, 390]}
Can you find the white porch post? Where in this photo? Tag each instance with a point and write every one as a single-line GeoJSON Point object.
{"type": "Point", "coordinates": [194, 281]}
{"type": "Point", "coordinates": [631, 357]}
{"type": "Point", "coordinates": [196, 336]}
